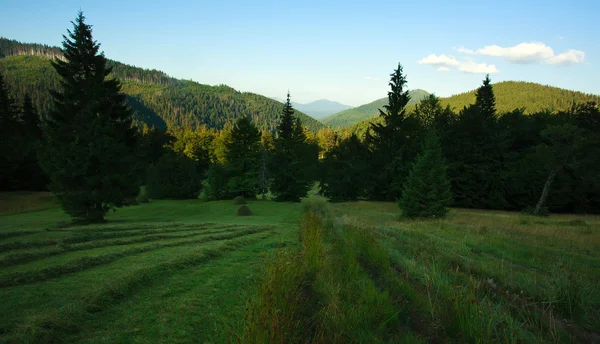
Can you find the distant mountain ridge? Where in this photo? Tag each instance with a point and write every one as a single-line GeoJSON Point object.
{"type": "Point", "coordinates": [158, 99]}
{"type": "Point", "coordinates": [352, 116]}
{"type": "Point", "coordinates": [319, 108]}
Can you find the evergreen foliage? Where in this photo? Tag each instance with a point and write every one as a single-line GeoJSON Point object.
{"type": "Point", "coordinates": [294, 159]}
{"type": "Point", "coordinates": [243, 159]}
{"type": "Point", "coordinates": [90, 154]}
{"type": "Point", "coordinates": [157, 99]}
{"type": "Point", "coordinates": [393, 142]}
{"type": "Point", "coordinates": [215, 185]}
{"type": "Point", "coordinates": [427, 191]}
{"type": "Point", "coordinates": [344, 169]}
{"type": "Point", "coordinates": [349, 117]}
{"type": "Point", "coordinates": [174, 176]}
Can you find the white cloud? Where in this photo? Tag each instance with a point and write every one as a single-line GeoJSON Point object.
{"type": "Point", "coordinates": [477, 68]}
{"type": "Point", "coordinates": [528, 53]}
{"type": "Point", "coordinates": [445, 63]}
{"type": "Point", "coordinates": [441, 60]}
{"type": "Point", "coordinates": [570, 57]}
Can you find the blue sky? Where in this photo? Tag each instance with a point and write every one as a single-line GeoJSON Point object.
{"type": "Point", "coordinates": [338, 50]}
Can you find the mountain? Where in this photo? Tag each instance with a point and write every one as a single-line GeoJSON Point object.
{"type": "Point", "coordinates": [360, 113]}
{"type": "Point", "coordinates": [319, 108]}
{"type": "Point", "coordinates": [157, 98]}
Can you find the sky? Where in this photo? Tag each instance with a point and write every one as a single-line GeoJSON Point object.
{"type": "Point", "coordinates": [338, 50]}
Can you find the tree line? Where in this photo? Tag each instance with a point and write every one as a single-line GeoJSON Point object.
{"type": "Point", "coordinates": [92, 156]}
{"type": "Point", "coordinates": [493, 160]}
{"type": "Point", "coordinates": [89, 151]}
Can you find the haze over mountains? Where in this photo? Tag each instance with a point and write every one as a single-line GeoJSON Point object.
{"type": "Point", "coordinates": [318, 109]}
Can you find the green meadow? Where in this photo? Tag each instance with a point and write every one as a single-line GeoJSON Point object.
{"type": "Point", "coordinates": [315, 272]}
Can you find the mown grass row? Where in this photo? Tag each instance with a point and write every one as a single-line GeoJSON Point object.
{"type": "Point", "coordinates": [54, 325]}
{"type": "Point", "coordinates": [100, 234]}
{"type": "Point", "coordinates": [83, 263]}
{"type": "Point", "coordinates": [13, 259]}
{"type": "Point", "coordinates": [356, 283]}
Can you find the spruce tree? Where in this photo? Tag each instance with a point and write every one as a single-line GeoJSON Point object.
{"type": "Point", "coordinates": [393, 142]}
{"type": "Point", "coordinates": [292, 163]}
{"type": "Point", "coordinates": [90, 153]}
{"type": "Point", "coordinates": [243, 159]}
{"type": "Point", "coordinates": [427, 190]}
{"type": "Point", "coordinates": [485, 99]}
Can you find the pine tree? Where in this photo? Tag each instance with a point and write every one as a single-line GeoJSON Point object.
{"type": "Point", "coordinates": [292, 165]}
{"type": "Point", "coordinates": [90, 153]}
{"type": "Point", "coordinates": [393, 142]}
{"type": "Point", "coordinates": [476, 150]}
{"type": "Point", "coordinates": [485, 99]}
{"type": "Point", "coordinates": [243, 158]}
{"type": "Point", "coordinates": [427, 191]}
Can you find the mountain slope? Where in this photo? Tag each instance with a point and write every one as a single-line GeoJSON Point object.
{"type": "Point", "coordinates": [157, 98]}
{"type": "Point", "coordinates": [530, 96]}
{"type": "Point", "coordinates": [510, 95]}
{"type": "Point", "coordinates": [360, 113]}
{"type": "Point", "coordinates": [321, 108]}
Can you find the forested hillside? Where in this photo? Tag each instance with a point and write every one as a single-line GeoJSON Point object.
{"type": "Point", "coordinates": [158, 99]}
{"type": "Point", "coordinates": [510, 95]}
{"type": "Point", "coordinates": [348, 117]}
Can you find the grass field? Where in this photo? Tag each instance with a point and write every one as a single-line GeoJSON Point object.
{"type": "Point", "coordinates": [191, 271]}
{"type": "Point", "coordinates": [365, 275]}
{"type": "Point", "coordinates": [167, 271]}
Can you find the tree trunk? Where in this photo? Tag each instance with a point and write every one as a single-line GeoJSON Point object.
{"type": "Point", "coordinates": [549, 181]}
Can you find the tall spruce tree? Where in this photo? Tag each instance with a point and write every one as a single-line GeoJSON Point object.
{"type": "Point", "coordinates": [427, 191]}
{"type": "Point", "coordinates": [292, 162]}
{"type": "Point", "coordinates": [476, 150]}
{"type": "Point", "coordinates": [90, 153]}
{"type": "Point", "coordinates": [485, 99]}
{"type": "Point", "coordinates": [243, 159]}
{"type": "Point", "coordinates": [394, 142]}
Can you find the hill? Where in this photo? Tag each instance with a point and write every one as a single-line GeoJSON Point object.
{"type": "Point", "coordinates": [157, 98]}
{"type": "Point", "coordinates": [360, 113]}
{"type": "Point", "coordinates": [510, 95]}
